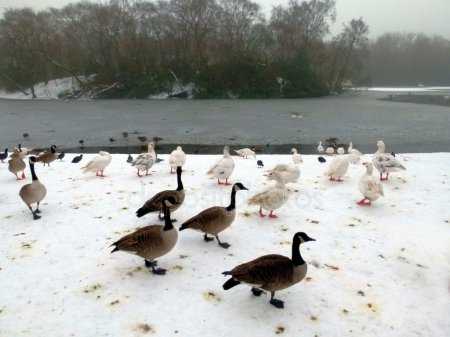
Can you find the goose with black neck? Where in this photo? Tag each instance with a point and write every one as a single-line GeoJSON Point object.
{"type": "Point", "coordinates": [271, 272]}
{"type": "Point", "coordinates": [215, 219]}
{"type": "Point", "coordinates": [34, 192]}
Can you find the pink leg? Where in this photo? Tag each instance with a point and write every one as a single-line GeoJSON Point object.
{"type": "Point", "coordinates": [261, 214]}
{"type": "Point", "coordinates": [271, 215]}
{"type": "Point", "coordinates": [332, 178]}
{"type": "Point", "coordinates": [146, 172]}
{"type": "Point", "coordinates": [101, 174]}
{"type": "Point", "coordinates": [218, 181]}
{"type": "Point", "coordinates": [340, 179]}
{"type": "Point", "coordinates": [364, 202]}
{"type": "Point", "coordinates": [139, 173]}
{"type": "Point", "coordinates": [23, 175]}
{"type": "Point", "coordinates": [226, 182]}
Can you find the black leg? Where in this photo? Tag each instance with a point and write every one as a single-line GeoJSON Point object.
{"type": "Point", "coordinates": [276, 303]}
{"type": "Point", "coordinates": [222, 244]}
{"type": "Point", "coordinates": [37, 209]}
{"type": "Point", "coordinates": [159, 271]}
{"type": "Point", "coordinates": [257, 292]}
{"type": "Point", "coordinates": [206, 238]}
{"type": "Point", "coordinates": [151, 264]}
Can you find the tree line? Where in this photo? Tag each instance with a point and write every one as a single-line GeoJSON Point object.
{"type": "Point", "coordinates": [225, 48]}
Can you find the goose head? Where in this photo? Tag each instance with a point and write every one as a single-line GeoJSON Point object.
{"type": "Point", "coordinates": [302, 237]}
{"type": "Point", "coordinates": [239, 187]}
{"type": "Point", "coordinates": [275, 175]}
{"type": "Point", "coordinates": [369, 167]}
{"type": "Point", "coordinates": [294, 150]}
{"type": "Point", "coordinates": [179, 148]}
{"type": "Point", "coordinates": [32, 160]}
{"type": "Point", "coordinates": [381, 145]}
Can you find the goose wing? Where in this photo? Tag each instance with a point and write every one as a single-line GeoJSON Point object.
{"type": "Point", "coordinates": [142, 239]}
{"type": "Point", "coordinates": [263, 270]}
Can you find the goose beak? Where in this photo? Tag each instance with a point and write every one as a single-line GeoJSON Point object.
{"type": "Point", "coordinates": [311, 239]}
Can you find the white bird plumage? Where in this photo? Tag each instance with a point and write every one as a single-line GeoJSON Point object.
{"type": "Point", "coordinates": [338, 167]}
{"type": "Point", "coordinates": [369, 186]}
{"type": "Point", "coordinates": [145, 160]}
{"type": "Point", "coordinates": [272, 198]}
{"type": "Point", "coordinates": [385, 163]}
{"type": "Point", "coordinates": [329, 150]}
{"type": "Point", "coordinates": [177, 158]}
{"type": "Point", "coordinates": [320, 148]}
{"type": "Point", "coordinates": [246, 152]}
{"type": "Point", "coordinates": [289, 173]}
{"type": "Point", "coordinates": [296, 157]}
{"type": "Point", "coordinates": [98, 163]}
{"type": "Point", "coordinates": [223, 168]}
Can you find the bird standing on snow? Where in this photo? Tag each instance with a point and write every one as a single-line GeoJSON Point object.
{"type": "Point", "coordinates": [98, 164]}
{"type": "Point", "coordinates": [16, 164]}
{"type": "Point", "coordinates": [271, 272]}
{"type": "Point", "coordinates": [216, 219]}
{"type": "Point", "coordinates": [370, 188]}
{"type": "Point", "coordinates": [33, 193]}
{"type": "Point", "coordinates": [223, 168]}
{"type": "Point", "coordinates": [129, 159]}
{"type": "Point", "coordinates": [321, 159]}
{"type": "Point", "coordinates": [288, 172]}
{"type": "Point", "coordinates": [296, 157]}
{"type": "Point", "coordinates": [340, 150]}
{"type": "Point", "coordinates": [61, 156]}
{"type": "Point", "coordinates": [338, 168]}
{"type": "Point", "coordinates": [177, 158]}
{"type": "Point", "coordinates": [260, 164]}
{"type": "Point", "coordinates": [151, 242]}
{"type": "Point", "coordinates": [48, 156]}
{"type": "Point", "coordinates": [246, 152]}
{"type": "Point", "coordinates": [385, 163]}
{"type": "Point", "coordinates": [77, 159]}
{"type": "Point", "coordinates": [155, 204]}
{"type": "Point", "coordinates": [272, 198]}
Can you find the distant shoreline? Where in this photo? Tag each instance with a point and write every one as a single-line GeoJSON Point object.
{"type": "Point", "coordinates": [428, 99]}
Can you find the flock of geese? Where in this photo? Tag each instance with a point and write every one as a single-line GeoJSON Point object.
{"type": "Point", "coordinates": [269, 273]}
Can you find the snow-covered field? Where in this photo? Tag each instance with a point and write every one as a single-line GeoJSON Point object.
{"type": "Point", "coordinates": [404, 89]}
{"type": "Point", "coordinates": [379, 271]}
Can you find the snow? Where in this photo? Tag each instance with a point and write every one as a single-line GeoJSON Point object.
{"type": "Point", "coordinates": [379, 271]}
{"type": "Point", "coordinates": [403, 89]}
{"type": "Point", "coordinates": [50, 90]}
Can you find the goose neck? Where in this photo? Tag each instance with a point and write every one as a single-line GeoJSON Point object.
{"type": "Point", "coordinates": [297, 259]}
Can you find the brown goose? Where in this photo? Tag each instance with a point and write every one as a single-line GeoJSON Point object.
{"type": "Point", "coordinates": [16, 165]}
{"type": "Point", "coordinates": [48, 156]}
{"type": "Point", "coordinates": [151, 242]}
{"type": "Point", "coordinates": [155, 203]}
{"type": "Point", "coordinates": [216, 219]}
{"type": "Point", "coordinates": [271, 272]}
{"type": "Point", "coordinates": [33, 193]}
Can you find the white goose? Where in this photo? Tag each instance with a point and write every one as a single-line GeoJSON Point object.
{"type": "Point", "coordinates": [272, 198]}
{"type": "Point", "coordinates": [98, 164]}
{"type": "Point", "coordinates": [354, 152]}
{"type": "Point", "coordinates": [320, 148]}
{"type": "Point", "coordinates": [223, 168]}
{"type": "Point", "coordinates": [245, 153]}
{"type": "Point", "coordinates": [145, 161]}
{"type": "Point", "coordinates": [370, 188]}
{"type": "Point", "coordinates": [338, 167]}
{"type": "Point", "coordinates": [340, 150]}
{"type": "Point", "coordinates": [177, 158]}
{"type": "Point", "coordinates": [296, 157]}
{"type": "Point", "coordinates": [329, 151]}
{"type": "Point", "coordinates": [289, 173]}
{"type": "Point", "coordinates": [385, 163]}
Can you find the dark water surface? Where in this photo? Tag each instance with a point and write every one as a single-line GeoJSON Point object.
{"type": "Point", "coordinates": [205, 125]}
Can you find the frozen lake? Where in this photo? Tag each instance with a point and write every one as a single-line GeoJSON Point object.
{"type": "Point", "coordinates": [359, 117]}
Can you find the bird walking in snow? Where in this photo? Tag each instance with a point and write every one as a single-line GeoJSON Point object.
{"type": "Point", "coordinates": [246, 152]}
{"type": "Point", "coordinates": [385, 163]}
{"type": "Point", "coordinates": [77, 159]}
{"type": "Point", "coordinates": [177, 158]}
{"type": "Point", "coordinates": [370, 188]}
{"type": "Point", "coordinates": [260, 164]}
{"type": "Point", "coordinates": [223, 168]}
{"type": "Point", "coordinates": [98, 164]}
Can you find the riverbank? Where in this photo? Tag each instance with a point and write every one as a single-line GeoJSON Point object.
{"type": "Point", "coordinates": [440, 100]}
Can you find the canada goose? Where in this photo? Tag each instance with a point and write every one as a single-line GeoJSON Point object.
{"type": "Point", "coordinates": [4, 155]}
{"type": "Point", "coordinates": [61, 156]}
{"type": "Point", "coordinates": [145, 160]}
{"type": "Point", "coordinates": [370, 188]}
{"type": "Point", "coordinates": [338, 168]}
{"type": "Point", "coordinates": [296, 157]}
{"type": "Point", "coordinates": [77, 159]}
{"type": "Point", "coordinates": [98, 164]}
{"type": "Point", "coordinates": [223, 168]}
{"type": "Point", "coordinates": [272, 198]}
{"type": "Point", "coordinates": [16, 165]}
{"type": "Point", "coordinates": [151, 242]}
{"type": "Point", "coordinates": [260, 164]}
{"type": "Point", "coordinates": [215, 219]}
{"type": "Point", "coordinates": [271, 272]}
{"type": "Point", "coordinates": [48, 156]}
{"type": "Point", "coordinates": [177, 158]}
{"type": "Point", "coordinates": [320, 148]}
{"type": "Point", "coordinates": [20, 151]}
{"type": "Point", "coordinates": [246, 152]}
{"type": "Point", "coordinates": [155, 203]}
{"type": "Point", "coordinates": [33, 193]}
{"type": "Point", "coordinates": [288, 172]}
{"type": "Point", "coordinates": [385, 163]}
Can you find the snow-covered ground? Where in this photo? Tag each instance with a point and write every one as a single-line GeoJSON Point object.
{"type": "Point", "coordinates": [379, 271]}
{"type": "Point", "coordinates": [50, 90]}
{"type": "Point", "coordinates": [403, 89]}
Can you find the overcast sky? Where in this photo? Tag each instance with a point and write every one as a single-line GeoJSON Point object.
{"type": "Point", "coordinates": [428, 16]}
